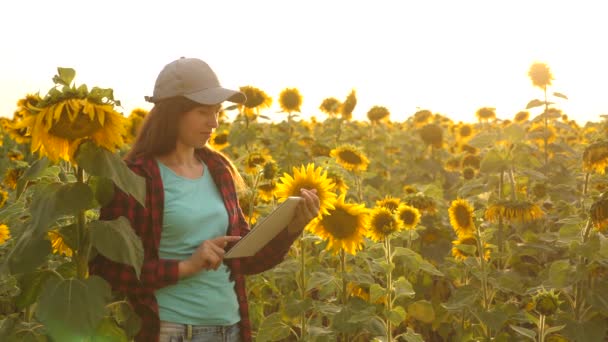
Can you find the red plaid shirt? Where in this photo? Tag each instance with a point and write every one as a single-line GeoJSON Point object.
{"type": "Point", "coordinates": [157, 273]}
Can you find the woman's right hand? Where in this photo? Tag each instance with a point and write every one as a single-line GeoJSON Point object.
{"type": "Point", "coordinates": [208, 255]}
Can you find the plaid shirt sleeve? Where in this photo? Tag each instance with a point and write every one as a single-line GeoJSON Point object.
{"type": "Point", "coordinates": [155, 273]}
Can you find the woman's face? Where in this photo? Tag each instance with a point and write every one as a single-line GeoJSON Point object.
{"type": "Point", "coordinates": [196, 125]}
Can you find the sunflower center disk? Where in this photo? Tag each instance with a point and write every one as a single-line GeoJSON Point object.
{"type": "Point", "coordinates": [81, 127]}
{"type": "Point", "coordinates": [340, 224]}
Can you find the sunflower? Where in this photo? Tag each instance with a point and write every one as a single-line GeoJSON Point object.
{"type": "Point", "coordinates": [453, 163]}
{"type": "Point", "coordinates": [340, 185]}
{"type": "Point", "coordinates": [308, 177]}
{"type": "Point", "coordinates": [461, 217]}
{"type": "Point", "coordinates": [14, 155]}
{"type": "Point", "coordinates": [58, 243]}
{"type": "Point", "coordinates": [254, 161]}
{"type": "Point", "coordinates": [468, 149]}
{"type": "Point", "coordinates": [320, 150]}
{"type": "Point", "coordinates": [540, 75]}
{"type": "Point", "coordinates": [5, 233]}
{"type": "Point", "coordinates": [290, 100]}
{"type": "Point", "coordinates": [349, 105]}
{"type": "Point", "coordinates": [521, 117]}
{"type": "Point", "coordinates": [422, 117]}
{"type": "Point", "coordinates": [537, 134]}
{"type": "Point", "coordinates": [378, 113]}
{"type": "Point", "coordinates": [422, 202]}
{"type": "Point", "coordinates": [246, 206]}
{"type": "Point", "coordinates": [343, 228]}
{"type": "Point", "coordinates": [389, 202]}
{"type": "Point", "coordinates": [25, 105]}
{"type": "Point", "coordinates": [595, 157]}
{"type": "Point", "coordinates": [363, 293]}
{"type": "Point", "coordinates": [63, 119]}
{"type": "Point", "coordinates": [432, 134]}
{"type": "Point", "coordinates": [350, 157]}
{"type": "Point", "coordinates": [133, 124]}
{"type": "Point", "coordinates": [383, 223]}
{"type": "Point", "coordinates": [15, 132]}
{"type": "Point", "coordinates": [599, 213]}
{"type": "Point", "coordinates": [256, 100]}
{"type": "Point", "coordinates": [409, 189]}
{"type": "Point", "coordinates": [471, 160]}
{"type": "Point", "coordinates": [409, 215]}
{"type": "Point", "coordinates": [3, 197]}
{"type": "Point", "coordinates": [486, 113]}
{"type": "Point", "coordinates": [330, 106]}
{"type": "Point", "coordinates": [468, 173]}
{"type": "Point", "coordinates": [270, 170]}
{"type": "Point", "coordinates": [465, 131]}
{"type": "Point", "coordinates": [513, 211]}
{"type": "Point", "coordinates": [546, 302]}
{"type": "Point", "coordinates": [468, 240]}
{"type": "Point", "coordinates": [219, 141]}
{"type": "Point", "coordinates": [266, 191]}
{"type": "Point", "coordinates": [11, 177]}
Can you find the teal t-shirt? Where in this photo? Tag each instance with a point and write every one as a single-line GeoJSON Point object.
{"type": "Point", "coordinates": [194, 211]}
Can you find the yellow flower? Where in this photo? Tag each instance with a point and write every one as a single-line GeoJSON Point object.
{"type": "Point", "coordinates": [330, 106]}
{"type": "Point", "coordinates": [513, 211]}
{"type": "Point", "coordinates": [133, 124]}
{"type": "Point", "coordinates": [266, 191]}
{"type": "Point", "coordinates": [12, 176]}
{"type": "Point", "coordinates": [219, 140]}
{"type": "Point", "coordinates": [255, 161]}
{"type": "Point", "coordinates": [350, 158]}
{"type": "Point", "coordinates": [343, 228]}
{"type": "Point", "coordinates": [471, 160]}
{"type": "Point", "coordinates": [468, 240]}
{"type": "Point", "coordinates": [308, 177]}
{"type": "Point", "coordinates": [595, 157]}
{"type": "Point", "coordinates": [599, 213]}
{"type": "Point", "coordinates": [25, 105]}
{"type": "Point", "coordinates": [422, 202]}
{"type": "Point", "coordinates": [5, 233]}
{"type": "Point", "coordinates": [486, 113]}
{"type": "Point", "coordinates": [256, 100]}
{"type": "Point", "coordinates": [521, 117]}
{"type": "Point", "coordinates": [3, 197]}
{"type": "Point", "coordinates": [246, 206]}
{"type": "Point", "coordinates": [15, 132]}
{"type": "Point", "coordinates": [378, 113]}
{"type": "Point", "coordinates": [409, 215]}
{"type": "Point", "coordinates": [422, 117]}
{"type": "Point", "coordinates": [453, 163]}
{"type": "Point", "coordinates": [270, 170]}
{"type": "Point", "coordinates": [340, 185]}
{"type": "Point", "coordinates": [389, 202]}
{"type": "Point", "coordinates": [383, 223]}
{"type": "Point", "coordinates": [461, 217]}
{"type": "Point", "coordinates": [409, 189]}
{"type": "Point", "coordinates": [432, 134]}
{"type": "Point", "coordinates": [58, 243]}
{"type": "Point", "coordinates": [468, 173]}
{"type": "Point", "coordinates": [540, 75]}
{"type": "Point", "coordinates": [290, 100]}
{"type": "Point", "coordinates": [465, 131]}
{"type": "Point", "coordinates": [349, 105]}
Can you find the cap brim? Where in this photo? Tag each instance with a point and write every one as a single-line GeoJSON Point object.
{"type": "Point", "coordinates": [218, 95]}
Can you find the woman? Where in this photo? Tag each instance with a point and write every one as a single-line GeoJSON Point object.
{"type": "Point", "coordinates": [186, 291]}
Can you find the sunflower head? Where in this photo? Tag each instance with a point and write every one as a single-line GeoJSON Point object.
{"type": "Point", "coordinates": [486, 113]}
{"type": "Point", "coordinates": [422, 117]}
{"type": "Point", "coordinates": [409, 189]}
{"type": "Point", "coordinates": [453, 163]}
{"type": "Point", "coordinates": [599, 213]}
{"type": "Point", "coordinates": [462, 218]}
{"type": "Point", "coordinates": [270, 170]}
{"type": "Point", "coordinates": [255, 162]}
{"type": "Point", "coordinates": [344, 227]}
{"type": "Point", "coordinates": [219, 140]}
{"type": "Point", "coordinates": [409, 215]}
{"type": "Point", "coordinates": [248, 207]}
{"type": "Point", "coordinates": [11, 177]}
{"type": "Point", "coordinates": [350, 157]}
{"type": "Point", "coordinates": [465, 131]}
{"type": "Point", "coordinates": [466, 246]}
{"type": "Point", "coordinates": [513, 211]}
{"type": "Point", "coordinates": [537, 133]}
{"type": "Point", "coordinates": [5, 233]}
{"type": "Point", "coordinates": [595, 157]}
{"type": "Point", "coordinates": [3, 197]}
{"type": "Point", "coordinates": [330, 106]}
{"type": "Point", "coordinates": [540, 75]}
{"type": "Point", "coordinates": [290, 100]}
{"type": "Point", "coordinates": [432, 134]}
{"type": "Point", "coordinates": [521, 117]}
{"type": "Point", "coordinates": [426, 204]}
{"type": "Point", "coordinates": [340, 186]}
{"type": "Point", "coordinates": [266, 191]}
{"type": "Point", "coordinates": [59, 245]}
{"type": "Point", "coordinates": [389, 202]}
{"type": "Point", "coordinates": [546, 302]}
{"type": "Point", "coordinates": [382, 223]}
{"type": "Point", "coordinates": [256, 100]}
{"type": "Point", "coordinates": [308, 177]}
{"type": "Point", "coordinates": [26, 105]}
{"type": "Point", "coordinates": [471, 160]}
{"type": "Point", "coordinates": [468, 173]}
{"type": "Point", "coordinates": [349, 105]}
{"type": "Point", "coordinates": [378, 113]}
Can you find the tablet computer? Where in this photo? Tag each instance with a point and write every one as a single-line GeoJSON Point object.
{"type": "Point", "coordinates": [265, 230]}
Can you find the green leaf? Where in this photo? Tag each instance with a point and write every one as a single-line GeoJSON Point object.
{"type": "Point", "coordinates": [483, 139]}
{"type": "Point", "coordinates": [397, 315]}
{"type": "Point", "coordinates": [33, 172]}
{"type": "Point", "coordinates": [403, 288]}
{"type": "Point", "coordinates": [593, 330]}
{"type": "Point", "coordinates": [414, 261]}
{"type": "Point", "coordinates": [31, 284]}
{"type": "Point", "coordinates": [103, 188]}
{"type": "Point", "coordinates": [422, 310]}
{"type": "Point", "coordinates": [464, 297]}
{"type": "Point", "coordinates": [524, 332]}
{"type": "Point", "coordinates": [73, 308]}
{"type": "Point", "coordinates": [318, 280]}
{"type": "Point", "coordinates": [549, 330]}
{"type": "Point", "coordinates": [410, 336]}
{"type": "Point", "coordinates": [126, 318]}
{"type": "Point", "coordinates": [108, 331]}
{"type": "Point", "coordinates": [272, 329]}
{"type": "Point", "coordinates": [376, 292]}
{"type": "Point", "coordinates": [117, 241]}
{"type": "Point", "coordinates": [30, 252]}
{"type": "Point", "coordinates": [73, 198]}
{"type": "Point", "coordinates": [44, 207]}
{"type": "Point", "coordinates": [515, 132]}
{"type": "Point", "coordinates": [560, 274]}
{"type": "Point", "coordinates": [493, 162]}
{"type": "Point", "coordinates": [64, 76]}
{"type": "Point", "coordinates": [556, 94]}
{"type": "Point", "coordinates": [295, 307]}
{"type": "Point", "coordinates": [534, 103]}
{"type": "Point", "coordinates": [100, 162]}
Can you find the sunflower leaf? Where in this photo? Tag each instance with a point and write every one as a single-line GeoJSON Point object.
{"type": "Point", "coordinates": [31, 173]}
{"type": "Point", "coordinates": [560, 95]}
{"type": "Point", "coordinates": [29, 252]}
{"type": "Point", "coordinates": [524, 332]}
{"type": "Point", "coordinates": [534, 103]}
{"type": "Point", "coordinates": [100, 162]}
{"type": "Point", "coordinates": [64, 76]}
{"type": "Point", "coordinates": [117, 241]}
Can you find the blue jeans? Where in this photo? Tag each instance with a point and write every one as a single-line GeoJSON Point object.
{"type": "Point", "coordinates": [176, 332]}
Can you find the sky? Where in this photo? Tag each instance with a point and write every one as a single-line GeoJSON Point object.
{"type": "Point", "coordinates": [450, 57]}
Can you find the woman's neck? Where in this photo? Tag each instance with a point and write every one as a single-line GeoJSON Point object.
{"type": "Point", "coordinates": [181, 155]}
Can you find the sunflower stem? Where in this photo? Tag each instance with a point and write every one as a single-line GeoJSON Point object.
{"type": "Point", "coordinates": [585, 189]}
{"type": "Point", "coordinates": [541, 328]}
{"type": "Point", "coordinates": [482, 264]}
{"type": "Point", "coordinates": [253, 195]}
{"type": "Point", "coordinates": [512, 180]}
{"type": "Point", "coordinates": [302, 287]}
{"type": "Point", "coordinates": [344, 285]}
{"type": "Point", "coordinates": [81, 252]}
{"type": "Point", "coordinates": [545, 138]}
{"type": "Point", "coordinates": [389, 288]}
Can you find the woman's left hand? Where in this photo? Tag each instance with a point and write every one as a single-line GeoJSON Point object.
{"type": "Point", "coordinates": [307, 209]}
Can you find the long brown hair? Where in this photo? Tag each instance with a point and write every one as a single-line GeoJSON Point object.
{"type": "Point", "coordinates": [158, 134]}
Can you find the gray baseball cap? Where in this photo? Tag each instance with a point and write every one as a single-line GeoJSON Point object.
{"type": "Point", "coordinates": [193, 79]}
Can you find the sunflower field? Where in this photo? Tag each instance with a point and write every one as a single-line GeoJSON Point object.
{"type": "Point", "coordinates": [429, 229]}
